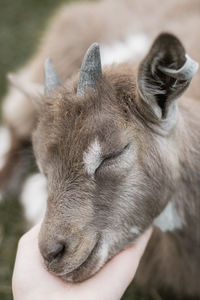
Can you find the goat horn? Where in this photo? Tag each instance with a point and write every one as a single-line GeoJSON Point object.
{"type": "Point", "coordinates": [50, 76]}
{"type": "Point", "coordinates": [186, 72]}
{"type": "Point", "coordinates": [91, 70]}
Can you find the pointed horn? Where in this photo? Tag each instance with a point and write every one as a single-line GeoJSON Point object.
{"type": "Point", "coordinates": [91, 70]}
{"type": "Point", "coordinates": [50, 77]}
{"type": "Point", "coordinates": [186, 72]}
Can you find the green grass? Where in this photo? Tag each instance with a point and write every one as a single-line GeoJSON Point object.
{"type": "Point", "coordinates": [21, 24]}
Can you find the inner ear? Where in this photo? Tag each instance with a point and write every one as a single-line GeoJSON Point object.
{"type": "Point", "coordinates": [156, 87]}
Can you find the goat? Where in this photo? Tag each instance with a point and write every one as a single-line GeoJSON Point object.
{"type": "Point", "coordinates": [120, 152]}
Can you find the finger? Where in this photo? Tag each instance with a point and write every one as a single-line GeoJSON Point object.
{"type": "Point", "coordinates": [116, 275]}
{"type": "Point", "coordinates": [27, 248]}
{"type": "Point", "coordinates": [29, 269]}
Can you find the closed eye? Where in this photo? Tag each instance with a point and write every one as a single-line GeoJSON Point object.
{"type": "Point", "coordinates": [109, 158]}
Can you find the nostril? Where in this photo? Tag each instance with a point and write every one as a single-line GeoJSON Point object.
{"type": "Point", "coordinates": [55, 253]}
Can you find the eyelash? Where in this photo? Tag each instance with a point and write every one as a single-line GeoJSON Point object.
{"type": "Point", "coordinates": [112, 156]}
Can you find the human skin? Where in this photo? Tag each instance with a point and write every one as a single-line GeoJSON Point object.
{"type": "Point", "coordinates": [31, 281]}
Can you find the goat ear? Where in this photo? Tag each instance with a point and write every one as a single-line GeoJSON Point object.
{"type": "Point", "coordinates": [165, 74]}
{"type": "Point", "coordinates": [29, 89]}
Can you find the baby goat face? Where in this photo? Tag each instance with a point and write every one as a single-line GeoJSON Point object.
{"type": "Point", "coordinates": [98, 143]}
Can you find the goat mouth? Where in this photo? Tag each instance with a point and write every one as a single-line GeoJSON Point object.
{"type": "Point", "coordinates": [67, 275]}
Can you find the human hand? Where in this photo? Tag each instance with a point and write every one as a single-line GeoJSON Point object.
{"type": "Point", "coordinates": [31, 281]}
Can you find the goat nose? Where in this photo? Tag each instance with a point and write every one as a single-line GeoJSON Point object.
{"type": "Point", "coordinates": [55, 252]}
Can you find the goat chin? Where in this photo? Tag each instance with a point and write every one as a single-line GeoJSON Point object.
{"type": "Point", "coordinates": [90, 266]}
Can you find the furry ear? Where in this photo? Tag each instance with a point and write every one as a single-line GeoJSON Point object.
{"type": "Point", "coordinates": [29, 89]}
{"type": "Point", "coordinates": [164, 75]}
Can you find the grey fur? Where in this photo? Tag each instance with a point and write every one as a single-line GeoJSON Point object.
{"type": "Point", "coordinates": [91, 70]}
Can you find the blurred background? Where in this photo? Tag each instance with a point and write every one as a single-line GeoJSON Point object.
{"type": "Point", "coordinates": [22, 24]}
